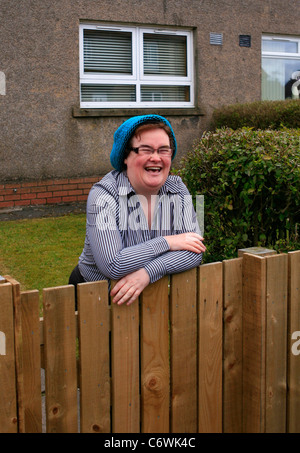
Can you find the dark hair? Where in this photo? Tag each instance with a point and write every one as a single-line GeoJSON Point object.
{"type": "Point", "coordinates": [147, 127]}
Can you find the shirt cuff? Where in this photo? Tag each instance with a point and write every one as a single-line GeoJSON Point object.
{"type": "Point", "coordinates": [159, 245]}
{"type": "Point", "coordinates": [156, 270]}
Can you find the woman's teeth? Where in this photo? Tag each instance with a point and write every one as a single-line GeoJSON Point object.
{"type": "Point", "coordinates": [153, 169]}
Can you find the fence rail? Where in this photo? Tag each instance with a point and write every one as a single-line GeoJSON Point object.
{"type": "Point", "coordinates": [213, 349]}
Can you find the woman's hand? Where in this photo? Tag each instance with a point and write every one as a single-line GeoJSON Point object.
{"type": "Point", "coordinates": [186, 241]}
{"type": "Point", "coordinates": [128, 288]}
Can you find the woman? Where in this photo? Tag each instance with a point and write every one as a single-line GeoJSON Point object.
{"type": "Point", "coordinates": [140, 221]}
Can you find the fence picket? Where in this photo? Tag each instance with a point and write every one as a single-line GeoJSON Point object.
{"type": "Point", "coordinates": [232, 350]}
{"type": "Point", "coordinates": [60, 359]}
{"type": "Point", "coordinates": [31, 361]}
{"type": "Point", "coordinates": [183, 307]}
{"type": "Point", "coordinates": [93, 327]}
{"type": "Point", "coordinates": [155, 372]}
{"type": "Point", "coordinates": [254, 343]}
{"type": "Point", "coordinates": [16, 292]}
{"type": "Point", "coordinates": [125, 368]}
{"type": "Point", "coordinates": [276, 342]}
{"type": "Point", "coordinates": [210, 305]}
{"type": "Point", "coordinates": [8, 394]}
{"type": "Point", "coordinates": [293, 401]}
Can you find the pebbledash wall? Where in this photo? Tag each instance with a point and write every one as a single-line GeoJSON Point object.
{"type": "Point", "coordinates": [52, 148]}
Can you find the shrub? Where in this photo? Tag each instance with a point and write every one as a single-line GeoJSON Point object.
{"type": "Point", "coordinates": [251, 186]}
{"type": "Point", "coordinates": [258, 115]}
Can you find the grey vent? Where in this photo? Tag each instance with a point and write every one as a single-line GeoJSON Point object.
{"type": "Point", "coordinates": [216, 39]}
{"type": "Point", "coordinates": [245, 40]}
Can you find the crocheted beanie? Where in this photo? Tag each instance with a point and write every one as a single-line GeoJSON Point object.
{"type": "Point", "coordinates": [125, 132]}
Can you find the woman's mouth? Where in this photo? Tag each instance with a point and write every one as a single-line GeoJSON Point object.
{"type": "Point", "coordinates": [153, 169]}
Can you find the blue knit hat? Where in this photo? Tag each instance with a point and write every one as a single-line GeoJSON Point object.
{"type": "Point", "coordinates": [125, 132]}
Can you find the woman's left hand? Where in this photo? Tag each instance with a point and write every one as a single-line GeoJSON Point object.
{"type": "Point", "coordinates": [128, 288]}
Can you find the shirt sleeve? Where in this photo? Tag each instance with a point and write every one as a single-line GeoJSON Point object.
{"type": "Point", "coordinates": [105, 239]}
{"type": "Point", "coordinates": [173, 262]}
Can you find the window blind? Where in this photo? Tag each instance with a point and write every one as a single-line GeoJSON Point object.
{"type": "Point", "coordinates": [156, 93]}
{"type": "Point", "coordinates": [107, 52]}
{"type": "Point", "coordinates": [165, 55]}
{"type": "Point", "coordinates": [108, 93]}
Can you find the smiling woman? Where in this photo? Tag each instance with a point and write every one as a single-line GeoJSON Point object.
{"type": "Point", "coordinates": [140, 221]}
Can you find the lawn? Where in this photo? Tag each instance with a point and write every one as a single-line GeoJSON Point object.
{"type": "Point", "coordinates": [41, 253]}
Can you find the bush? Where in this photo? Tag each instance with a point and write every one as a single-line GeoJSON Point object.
{"type": "Point", "coordinates": [258, 115]}
{"type": "Point", "coordinates": [251, 186]}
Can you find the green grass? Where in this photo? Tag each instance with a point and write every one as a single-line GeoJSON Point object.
{"type": "Point", "coordinates": [41, 253]}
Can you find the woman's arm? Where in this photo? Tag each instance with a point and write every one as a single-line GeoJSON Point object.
{"type": "Point", "coordinates": [110, 253]}
{"type": "Point", "coordinates": [128, 288]}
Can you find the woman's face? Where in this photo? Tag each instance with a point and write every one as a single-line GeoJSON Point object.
{"type": "Point", "coordinates": [147, 174]}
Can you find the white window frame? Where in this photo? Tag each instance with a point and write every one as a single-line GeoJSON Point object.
{"type": "Point", "coordinates": [138, 77]}
{"type": "Point", "coordinates": [281, 55]}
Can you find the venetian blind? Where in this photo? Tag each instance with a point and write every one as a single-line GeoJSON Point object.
{"type": "Point", "coordinates": [107, 51]}
{"type": "Point", "coordinates": [165, 55]}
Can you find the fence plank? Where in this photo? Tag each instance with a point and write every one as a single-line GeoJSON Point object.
{"type": "Point", "coordinates": [210, 347]}
{"type": "Point", "coordinates": [125, 368]}
{"type": "Point", "coordinates": [31, 361]}
{"type": "Point", "coordinates": [233, 351]}
{"type": "Point", "coordinates": [293, 402]}
{"type": "Point", "coordinates": [276, 343]}
{"type": "Point", "coordinates": [254, 343]}
{"type": "Point", "coordinates": [18, 351]}
{"type": "Point", "coordinates": [93, 326]}
{"type": "Point", "coordinates": [183, 306]}
{"type": "Point", "coordinates": [60, 359]}
{"type": "Point", "coordinates": [8, 396]}
{"type": "Point", "coordinates": [155, 372]}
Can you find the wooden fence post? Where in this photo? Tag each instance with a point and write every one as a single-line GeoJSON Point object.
{"type": "Point", "coordinates": [264, 342]}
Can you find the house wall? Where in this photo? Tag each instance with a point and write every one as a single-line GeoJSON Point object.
{"type": "Point", "coordinates": [44, 135]}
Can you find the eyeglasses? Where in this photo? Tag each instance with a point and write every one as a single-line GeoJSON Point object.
{"type": "Point", "coordinates": [148, 150]}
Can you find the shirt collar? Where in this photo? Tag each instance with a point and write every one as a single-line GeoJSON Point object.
{"type": "Point", "coordinates": [125, 188]}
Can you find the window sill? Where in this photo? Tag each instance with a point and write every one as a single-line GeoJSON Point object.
{"type": "Point", "coordinates": [78, 112]}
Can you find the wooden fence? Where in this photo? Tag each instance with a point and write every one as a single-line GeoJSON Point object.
{"type": "Point", "coordinates": [212, 350]}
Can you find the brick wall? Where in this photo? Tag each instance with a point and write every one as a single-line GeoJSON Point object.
{"type": "Point", "coordinates": [45, 192]}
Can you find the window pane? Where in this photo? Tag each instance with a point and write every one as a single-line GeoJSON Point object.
{"type": "Point", "coordinates": [280, 78]}
{"type": "Point", "coordinates": [108, 93]}
{"type": "Point", "coordinates": [279, 46]}
{"type": "Point", "coordinates": [107, 51]}
{"type": "Point", "coordinates": [165, 55]}
{"type": "Point", "coordinates": [165, 93]}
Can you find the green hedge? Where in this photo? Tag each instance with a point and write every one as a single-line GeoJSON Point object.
{"type": "Point", "coordinates": [250, 180]}
{"type": "Point", "coordinates": [258, 115]}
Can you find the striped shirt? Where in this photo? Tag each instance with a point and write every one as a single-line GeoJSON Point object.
{"type": "Point", "coordinates": [118, 240]}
